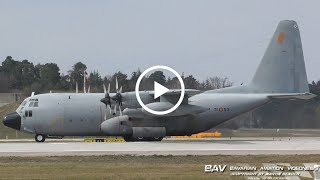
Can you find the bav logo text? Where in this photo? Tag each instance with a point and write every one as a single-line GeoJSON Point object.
{"type": "Point", "coordinates": [215, 168]}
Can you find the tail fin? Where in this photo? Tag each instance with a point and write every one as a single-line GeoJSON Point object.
{"type": "Point", "coordinates": [282, 69]}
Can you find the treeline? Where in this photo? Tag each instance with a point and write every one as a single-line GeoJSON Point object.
{"type": "Point", "coordinates": [17, 76]}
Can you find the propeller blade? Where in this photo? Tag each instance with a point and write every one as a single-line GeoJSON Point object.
{"type": "Point", "coordinates": [120, 89]}
{"type": "Point", "coordinates": [116, 84]}
{"type": "Point", "coordinates": [120, 111]}
{"type": "Point", "coordinates": [110, 109]}
{"type": "Point", "coordinates": [105, 115]}
{"type": "Point", "coordinates": [104, 89]}
{"type": "Point", "coordinates": [107, 100]}
{"type": "Point", "coordinates": [115, 109]}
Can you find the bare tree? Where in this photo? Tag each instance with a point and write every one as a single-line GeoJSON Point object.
{"type": "Point", "coordinates": [219, 82]}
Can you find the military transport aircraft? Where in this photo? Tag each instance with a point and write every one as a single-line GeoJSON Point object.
{"type": "Point", "coordinates": [280, 75]}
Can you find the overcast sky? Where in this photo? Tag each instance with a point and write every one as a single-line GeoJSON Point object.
{"type": "Point", "coordinates": [203, 38]}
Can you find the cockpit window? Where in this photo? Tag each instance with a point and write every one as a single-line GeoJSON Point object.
{"type": "Point", "coordinates": [34, 103]}
{"type": "Point", "coordinates": [23, 103]}
{"type": "Point", "coordinates": [31, 103]}
{"type": "Point", "coordinates": [22, 106]}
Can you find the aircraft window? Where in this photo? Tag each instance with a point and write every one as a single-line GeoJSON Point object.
{"type": "Point", "coordinates": [30, 113]}
{"type": "Point", "coordinates": [34, 104]}
{"type": "Point", "coordinates": [22, 106]}
{"type": "Point", "coordinates": [23, 103]}
{"type": "Point", "coordinates": [26, 113]}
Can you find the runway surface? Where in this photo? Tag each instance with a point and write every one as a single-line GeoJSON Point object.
{"type": "Point", "coordinates": [166, 147]}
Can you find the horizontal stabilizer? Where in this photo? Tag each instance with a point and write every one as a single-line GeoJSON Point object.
{"type": "Point", "coordinates": [293, 96]}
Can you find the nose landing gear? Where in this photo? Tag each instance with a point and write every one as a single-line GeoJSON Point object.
{"type": "Point", "coordinates": [40, 138]}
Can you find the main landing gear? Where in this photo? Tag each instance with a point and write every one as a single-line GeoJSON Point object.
{"type": "Point", "coordinates": [40, 137]}
{"type": "Point", "coordinates": [133, 139]}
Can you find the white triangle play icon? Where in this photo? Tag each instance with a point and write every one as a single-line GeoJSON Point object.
{"type": "Point", "coordinates": [159, 90]}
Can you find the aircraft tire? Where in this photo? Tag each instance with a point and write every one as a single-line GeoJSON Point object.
{"type": "Point", "coordinates": [40, 138]}
{"type": "Point", "coordinates": [158, 138]}
{"type": "Point", "coordinates": [152, 139]}
{"type": "Point", "coordinates": [131, 139]}
{"type": "Point", "coordinates": [128, 138]}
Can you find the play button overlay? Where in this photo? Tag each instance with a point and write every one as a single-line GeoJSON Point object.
{"type": "Point", "coordinates": [160, 90]}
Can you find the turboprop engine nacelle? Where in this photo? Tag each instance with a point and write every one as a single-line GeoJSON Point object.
{"type": "Point", "coordinates": [117, 126]}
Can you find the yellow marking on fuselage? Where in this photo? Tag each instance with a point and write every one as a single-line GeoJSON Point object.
{"type": "Point", "coordinates": [281, 37]}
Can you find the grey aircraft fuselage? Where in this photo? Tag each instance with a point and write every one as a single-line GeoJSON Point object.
{"type": "Point", "coordinates": [81, 114]}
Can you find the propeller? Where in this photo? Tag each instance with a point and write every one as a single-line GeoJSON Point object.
{"type": "Point", "coordinates": [117, 98]}
{"type": "Point", "coordinates": [107, 99]}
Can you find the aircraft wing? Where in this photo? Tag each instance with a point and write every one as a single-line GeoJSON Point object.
{"type": "Point", "coordinates": [173, 95]}
{"type": "Point", "coordinates": [293, 96]}
{"type": "Point", "coordinates": [172, 92]}
{"type": "Point", "coordinates": [167, 101]}
{"type": "Point", "coordinates": [182, 110]}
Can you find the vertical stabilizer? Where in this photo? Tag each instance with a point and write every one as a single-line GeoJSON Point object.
{"type": "Point", "coordinates": [282, 69]}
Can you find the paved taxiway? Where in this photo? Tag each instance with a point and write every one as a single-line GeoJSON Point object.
{"type": "Point", "coordinates": [167, 147]}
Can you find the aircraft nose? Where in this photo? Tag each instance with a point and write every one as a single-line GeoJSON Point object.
{"type": "Point", "coordinates": [12, 120]}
